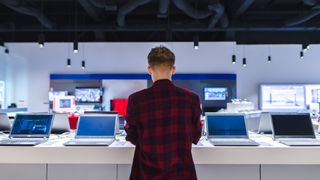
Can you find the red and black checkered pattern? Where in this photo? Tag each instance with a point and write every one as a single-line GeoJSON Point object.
{"type": "Point", "coordinates": [163, 121]}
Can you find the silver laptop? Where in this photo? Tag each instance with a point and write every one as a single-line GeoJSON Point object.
{"type": "Point", "coordinates": [4, 123]}
{"type": "Point", "coordinates": [265, 123]}
{"type": "Point", "coordinates": [60, 123]}
{"type": "Point", "coordinates": [294, 129]}
{"type": "Point", "coordinates": [29, 130]}
{"type": "Point", "coordinates": [95, 130]}
{"type": "Point", "coordinates": [228, 130]}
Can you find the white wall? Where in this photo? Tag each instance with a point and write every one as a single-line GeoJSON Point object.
{"type": "Point", "coordinates": [31, 81]}
{"type": "Point", "coordinates": [120, 89]}
{"type": "Point", "coordinates": [2, 64]}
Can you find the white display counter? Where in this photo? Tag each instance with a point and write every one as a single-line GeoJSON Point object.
{"type": "Point", "coordinates": [51, 161]}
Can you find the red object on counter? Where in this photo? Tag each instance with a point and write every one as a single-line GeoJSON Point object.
{"type": "Point", "coordinates": [73, 121]}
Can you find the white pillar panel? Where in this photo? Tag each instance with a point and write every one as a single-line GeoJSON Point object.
{"type": "Point", "coordinates": [82, 172]}
{"type": "Point", "coordinates": [228, 172]}
{"type": "Point", "coordinates": [23, 171]}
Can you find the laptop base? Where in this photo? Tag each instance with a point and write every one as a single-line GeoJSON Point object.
{"type": "Point", "coordinates": [300, 143]}
{"type": "Point", "coordinates": [11, 142]}
{"type": "Point", "coordinates": [88, 143]}
{"type": "Point", "coordinates": [234, 143]}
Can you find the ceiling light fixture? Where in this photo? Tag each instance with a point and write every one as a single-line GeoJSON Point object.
{"type": "Point", "coordinates": [244, 59]}
{"type": "Point", "coordinates": [75, 46]}
{"type": "Point", "coordinates": [269, 55]}
{"type": "Point", "coordinates": [234, 59]}
{"type": "Point", "coordinates": [83, 64]}
{"type": "Point", "coordinates": [305, 47]}
{"type": "Point", "coordinates": [301, 55]}
{"type": "Point", "coordinates": [244, 62]}
{"type": "Point", "coordinates": [68, 62]}
{"type": "Point", "coordinates": [196, 41]}
{"type": "Point", "coordinates": [269, 59]}
{"type": "Point", "coordinates": [41, 39]}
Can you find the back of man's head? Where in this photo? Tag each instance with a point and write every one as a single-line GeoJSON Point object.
{"type": "Point", "coordinates": [161, 56]}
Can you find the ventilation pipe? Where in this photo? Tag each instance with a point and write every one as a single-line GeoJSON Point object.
{"type": "Point", "coordinates": [127, 8]}
{"type": "Point", "coordinates": [305, 17]}
{"type": "Point", "coordinates": [25, 7]}
{"type": "Point", "coordinates": [185, 6]}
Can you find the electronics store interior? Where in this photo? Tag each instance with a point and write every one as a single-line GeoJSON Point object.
{"type": "Point", "coordinates": [68, 67]}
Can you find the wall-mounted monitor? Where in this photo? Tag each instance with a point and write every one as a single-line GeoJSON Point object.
{"type": "Point", "coordinates": [282, 97]}
{"type": "Point", "coordinates": [64, 104]}
{"type": "Point", "coordinates": [53, 94]}
{"type": "Point", "coordinates": [215, 93]}
{"type": "Point", "coordinates": [88, 95]}
{"type": "Point", "coordinates": [312, 93]}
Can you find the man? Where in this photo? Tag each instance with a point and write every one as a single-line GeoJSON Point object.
{"type": "Point", "coordinates": [163, 121]}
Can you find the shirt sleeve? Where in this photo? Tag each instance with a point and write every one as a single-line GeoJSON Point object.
{"type": "Point", "coordinates": [196, 122]}
{"type": "Point", "coordinates": [131, 128]}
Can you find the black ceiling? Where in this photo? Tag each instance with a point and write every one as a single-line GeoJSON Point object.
{"type": "Point", "coordinates": [244, 21]}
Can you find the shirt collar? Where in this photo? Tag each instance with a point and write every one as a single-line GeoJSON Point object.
{"type": "Point", "coordinates": [162, 82]}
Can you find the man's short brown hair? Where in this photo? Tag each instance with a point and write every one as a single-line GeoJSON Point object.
{"type": "Point", "coordinates": [161, 56]}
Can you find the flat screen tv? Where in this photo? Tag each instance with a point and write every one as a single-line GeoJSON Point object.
{"type": "Point", "coordinates": [64, 104]}
{"type": "Point", "coordinates": [88, 95]}
{"type": "Point", "coordinates": [282, 97]}
{"type": "Point", "coordinates": [53, 94]}
{"type": "Point", "coordinates": [215, 94]}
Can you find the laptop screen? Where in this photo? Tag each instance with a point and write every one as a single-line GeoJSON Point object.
{"type": "Point", "coordinates": [27, 124]}
{"type": "Point", "coordinates": [96, 126]}
{"type": "Point", "coordinates": [292, 125]}
{"type": "Point", "coordinates": [226, 125]}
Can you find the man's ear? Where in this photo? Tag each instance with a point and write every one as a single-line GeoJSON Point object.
{"type": "Point", "coordinates": [174, 69]}
{"type": "Point", "coordinates": [149, 70]}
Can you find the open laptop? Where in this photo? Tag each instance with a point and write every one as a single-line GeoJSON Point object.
{"type": "Point", "coordinates": [29, 130]}
{"type": "Point", "coordinates": [4, 123]}
{"type": "Point", "coordinates": [265, 123]}
{"type": "Point", "coordinates": [228, 130]}
{"type": "Point", "coordinates": [95, 130]}
{"type": "Point", "coordinates": [294, 129]}
{"type": "Point", "coordinates": [60, 123]}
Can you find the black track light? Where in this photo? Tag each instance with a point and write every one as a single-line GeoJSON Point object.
{"type": "Point", "coordinates": [269, 59]}
{"type": "Point", "coordinates": [196, 41]}
{"type": "Point", "coordinates": [301, 55]}
{"type": "Point", "coordinates": [305, 47]}
{"type": "Point", "coordinates": [244, 62]}
{"type": "Point", "coordinates": [83, 64]}
{"type": "Point", "coordinates": [41, 39]}
{"type": "Point", "coordinates": [6, 50]}
{"type": "Point", "coordinates": [68, 62]}
{"type": "Point", "coordinates": [234, 59]}
{"type": "Point", "coordinates": [75, 46]}
{"type": "Point", "coordinates": [1, 44]}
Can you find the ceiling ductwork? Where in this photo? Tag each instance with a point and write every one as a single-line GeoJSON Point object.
{"type": "Point", "coordinates": [305, 17]}
{"type": "Point", "coordinates": [310, 2]}
{"type": "Point", "coordinates": [27, 8]}
{"type": "Point", "coordinates": [93, 11]}
{"type": "Point", "coordinates": [127, 8]}
{"type": "Point", "coordinates": [220, 15]}
{"type": "Point", "coordinates": [244, 21]}
{"type": "Point", "coordinates": [186, 7]}
{"type": "Point", "coordinates": [163, 8]}
{"type": "Point", "coordinates": [104, 4]}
